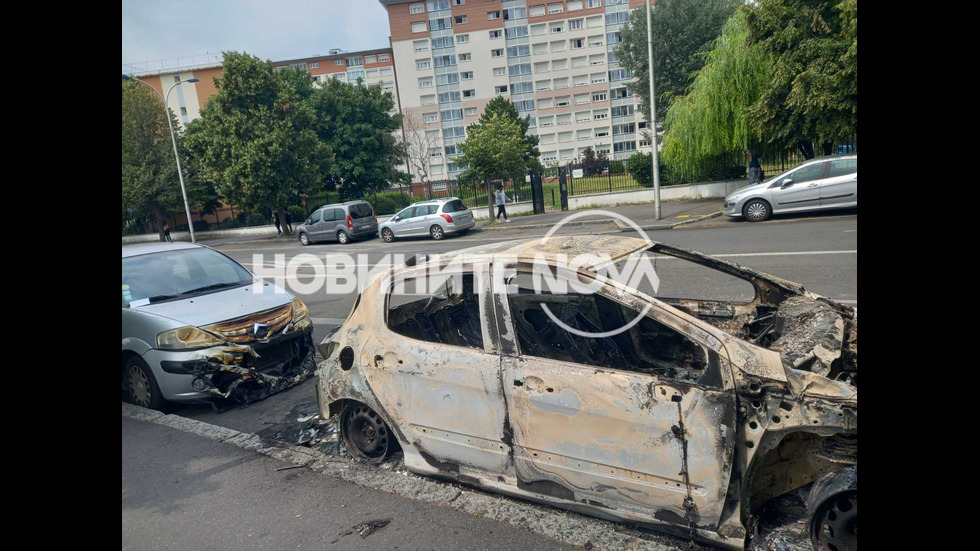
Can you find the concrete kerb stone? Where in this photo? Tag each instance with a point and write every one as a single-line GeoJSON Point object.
{"type": "Point", "coordinates": [625, 228]}
{"type": "Point", "coordinates": [562, 526]}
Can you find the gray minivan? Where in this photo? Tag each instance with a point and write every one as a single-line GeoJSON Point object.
{"type": "Point", "coordinates": [339, 222]}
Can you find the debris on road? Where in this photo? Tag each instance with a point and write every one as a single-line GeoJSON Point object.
{"type": "Point", "coordinates": [289, 467]}
{"type": "Point", "coordinates": [364, 529]}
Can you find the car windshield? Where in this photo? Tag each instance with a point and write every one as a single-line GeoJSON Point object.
{"type": "Point", "coordinates": [171, 275]}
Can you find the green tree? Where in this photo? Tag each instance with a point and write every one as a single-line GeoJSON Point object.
{"type": "Point", "coordinates": [150, 184]}
{"type": "Point", "coordinates": [493, 149]}
{"type": "Point", "coordinates": [683, 31]}
{"type": "Point", "coordinates": [353, 120]}
{"type": "Point", "coordinates": [714, 116]}
{"type": "Point", "coordinates": [256, 138]}
{"type": "Point", "coordinates": [812, 94]}
{"type": "Point", "coordinates": [529, 143]}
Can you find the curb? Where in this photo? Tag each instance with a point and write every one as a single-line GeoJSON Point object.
{"type": "Point", "coordinates": [566, 527]}
{"type": "Point", "coordinates": [651, 227]}
{"type": "Point", "coordinates": [539, 226]}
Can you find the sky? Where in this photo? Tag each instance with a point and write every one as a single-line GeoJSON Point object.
{"type": "Point", "coordinates": [154, 30]}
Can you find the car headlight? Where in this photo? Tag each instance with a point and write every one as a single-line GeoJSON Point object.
{"type": "Point", "coordinates": [187, 338]}
{"type": "Point", "coordinates": [300, 312]}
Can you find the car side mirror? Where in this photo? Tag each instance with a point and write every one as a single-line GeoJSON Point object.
{"type": "Point", "coordinates": [395, 219]}
{"type": "Point", "coordinates": [786, 183]}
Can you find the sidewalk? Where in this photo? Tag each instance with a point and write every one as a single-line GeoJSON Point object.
{"type": "Point", "coordinates": [673, 213]}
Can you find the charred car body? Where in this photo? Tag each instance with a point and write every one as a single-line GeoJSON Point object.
{"type": "Point", "coordinates": [196, 325]}
{"type": "Point", "coordinates": [686, 422]}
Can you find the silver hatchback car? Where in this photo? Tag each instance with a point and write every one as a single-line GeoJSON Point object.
{"type": "Point", "coordinates": [824, 183]}
{"type": "Point", "coordinates": [198, 325]}
{"type": "Point", "coordinates": [436, 217]}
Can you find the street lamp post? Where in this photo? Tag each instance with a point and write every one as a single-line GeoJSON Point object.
{"type": "Point", "coordinates": [653, 116]}
{"type": "Point", "coordinates": [173, 138]}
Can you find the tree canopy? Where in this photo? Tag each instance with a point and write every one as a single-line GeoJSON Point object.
{"type": "Point", "coordinates": [812, 93]}
{"type": "Point", "coordinates": [714, 116]}
{"type": "Point", "coordinates": [494, 148]}
{"type": "Point", "coordinates": [683, 31]}
{"type": "Point", "coordinates": [506, 108]}
{"type": "Point", "coordinates": [355, 123]}
{"type": "Point", "coordinates": [256, 137]}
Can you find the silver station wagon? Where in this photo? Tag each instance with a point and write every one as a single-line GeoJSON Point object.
{"type": "Point", "coordinates": [436, 218]}
{"type": "Point", "coordinates": [818, 184]}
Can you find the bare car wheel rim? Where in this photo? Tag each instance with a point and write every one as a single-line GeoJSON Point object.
{"type": "Point", "coordinates": [838, 527]}
{"type": "Point", "coordinates": [139, 386]}
{"type": "Point", "coordinates": [387, 235]}
{"type": "Point", "coordinates": [436, 232]}
{"type": "Point", "coordinates": [756, 211]}
{"type": "Point", "coordinates": [366, 433]}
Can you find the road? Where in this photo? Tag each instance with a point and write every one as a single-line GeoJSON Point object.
{"type": "Point", "coordinates": [819, 251]}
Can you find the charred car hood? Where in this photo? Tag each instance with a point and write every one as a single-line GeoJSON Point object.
{"type": "Point", "coordinates": [222, 305]}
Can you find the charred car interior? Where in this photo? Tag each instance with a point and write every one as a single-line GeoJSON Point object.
{"type": "Point", "coordinates": [677, 414]}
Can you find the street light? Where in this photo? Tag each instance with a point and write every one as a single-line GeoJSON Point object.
{"type": "Point", "coordinates": [173, 138]}
{"type": "Point", "coordinates": [653, 116]}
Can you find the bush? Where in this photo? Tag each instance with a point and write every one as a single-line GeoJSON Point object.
{"type": "Point", "coordinates": [640, 167]}
{"type": "Point", "coordinates": [389, 203]}
{"type": "Point", "coordinates": [616, 167]}
{"type": "Point", "coordinates": [297, 214]}
{"type": "Point", "coordinates": [199, 225]}
{"type": "Point", "coordinates": [256, 219]}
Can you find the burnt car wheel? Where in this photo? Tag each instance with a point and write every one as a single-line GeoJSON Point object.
{"type": "Point", "coordinates": [757, 210]}
{"type": "Point", "coordinates": [833, 511]}
{"type": "Point", "coordinates": [141, 386]}
{"type": "Point", "coordinates": [304, 239]}
{"type": "Point", "coordinates": [343, 238]}
{"type": "Point", "coordinates": [365, 434]}
{"type": "Point", "coordinates": [437, 232]}
{"type": "Point", "coordinates": [387, 235]}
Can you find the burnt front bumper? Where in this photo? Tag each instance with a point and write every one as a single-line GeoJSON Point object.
{"type": "Point", "coordinates": [246, 373]}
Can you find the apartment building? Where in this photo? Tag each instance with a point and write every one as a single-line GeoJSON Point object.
{"type": "Point", "coordinates": [372, 66]}
{"type": "Point", "coordinates": [553, 59]}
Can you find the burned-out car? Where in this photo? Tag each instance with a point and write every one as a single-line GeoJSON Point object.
{"type": "Point", "coordinates": [198, 326]}
{"type": "Point", "coordinates": [681, 415]}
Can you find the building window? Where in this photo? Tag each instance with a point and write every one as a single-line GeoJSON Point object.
{"type": "Point", "coordinates": [183, 111]}
{"type": "Point", "coordinates": [500, 89]}
{"type": "Point", "coordinates": [577, 43]}
{"type": "Point", "coordinates": [425, 83]}
{"type": "Point", "coordinates": [496, 33]}
{"type": "Point", "coordinates": [462, 38]}
{"type": "Point", "coordinates": [384, 57]}
{"type": "Point", "coordinates": [370, 59]}
{"type": "Point", "coordinates": [460, 19]}
{"type": "Point", "coordinates": [628, 128]}
{"type": "Point", "coordinates": [465, 57]}
{"type": "Point", "coordinates": [448, 97]}
{"type": "Point", "coordinates": [451, 114]}
{"type": "Point", "coordinates": [497, 71]}
{"type": "Point", "coordinates": [555, 7]}
{"type": "Point", "coordinates": [441, 23]}
{"type": "Point", "coordinates": [444, 61]}
{"type": "Point", "coordinates": [599, 96]}
{"type": "Point", "coordinates": [436, 5]}
{"type": "Point", "coordinates": [453, 132]}
{"type": "Point", "coordinates": [519, 69]}
{"type": "Point", "coordinates": [449, 78]}
{"type": "Point", "coordinates": [624, 146]}
{"type": "Point", "coordinates": [430, 117]}
{"type": "Point", "coordinates": [521, 88]}
{"type": "Point", "coordinates": [557, 27]}
{"type": "Point", "coordinates": [619, 74]}
{"type": "Point", "coordinates": [314, 65]}
{"type": "Point", "coordinates": [419, 27]}
{"type": "Point", "coordinates": [497, 53]}
{"type": "Point", "coordinates": [515, 13]}
{"type": "Point", "coordinates": [442, 42]}
{"type": "Point", "coordinates": [467, 75]}
{"type": "Point", "coordinates": [526, 105]}
{"type": "Point", "coordinates": [420, 46]}
{"type": "Point", "coordinates": [593, 3]}
{"type": "Point", "coordinates": [613, 38]}
{"type": "Point", "coordinates": [491, 15]}
{"type": "Point", "coordinates": [470, 111]}
{"type": "Point", "coordinates": [469, 93]}
{"type": "Point", "coordinates": [617, 18]}
{"type": "Point", "coordinates": [519, 51]}
{"type": "Point", "coordinates": [516, 32]}
{"type": "Point", "coordinates": [429, 99]}
{"type": "Point", "coordinates": [338, 62]}
{"type": "Point", "coordinates": [573, 5]}
{"type": "Point", "coordinates": [459, 2]}
{"type": "Point", "coordinates": [562, 101]}
{"type": "Point", "coordinates": [421, 64]}
{"type": "Point", "coordinates": [416, 8]}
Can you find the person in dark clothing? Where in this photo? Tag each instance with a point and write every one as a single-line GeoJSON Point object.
{"type": "Point", "coordinates": [166, 232]}
{"type": "Point", "coordinates": [755, 169]}
{"type": "Point", "coordinates": [289, 222]}
{"type": "Point", "coordinates": [275, 218]}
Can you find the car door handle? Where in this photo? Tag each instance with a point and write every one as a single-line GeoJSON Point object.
{"type": "Point", "coordinates": [813, 185]}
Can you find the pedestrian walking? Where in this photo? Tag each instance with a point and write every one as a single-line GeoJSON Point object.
{"type": "Point", "coordinates": [275, 218]}
{"type": "Point", "coordinates": [166, 232]}
{"type": "Point", "coordinates": [289, 223]}
{"type": "Point", "coordinates": [755, 169]}
{"type": "Point", "coordinates": [501, 199]}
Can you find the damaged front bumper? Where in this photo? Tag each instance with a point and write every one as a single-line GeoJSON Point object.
{"type": "Point", "coordinates": [241, 373]}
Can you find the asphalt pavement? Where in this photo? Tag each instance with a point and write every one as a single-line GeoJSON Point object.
{"type": "Point", "coordinates": [182, 491]}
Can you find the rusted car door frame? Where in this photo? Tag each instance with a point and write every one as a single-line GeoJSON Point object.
{"type": "Point", "coordinates": [676, 468]}
{"type": "Point", "coordinates": [446, 399]}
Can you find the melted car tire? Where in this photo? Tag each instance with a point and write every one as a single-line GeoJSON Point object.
{"type": "Point", "coordinates": [141, 386]}
{"type": "Point", "coordinates": [832, 511]}
{"type": "Point", "coordinates": [365, 434]}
